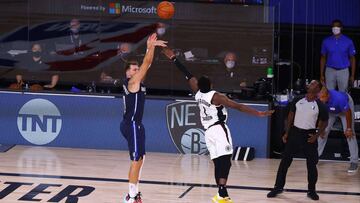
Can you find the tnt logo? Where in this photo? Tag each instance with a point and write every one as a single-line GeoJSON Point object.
{"type": "Point", "coordinates": [39, 121]}
{"type": "Point", "coordinates": [185, 129]}
{"type": "Point", "coordinates": [114, 8]}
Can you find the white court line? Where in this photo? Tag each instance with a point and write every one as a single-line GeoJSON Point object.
{"type": "Point", "coordinates": [58, 94]}
{"type": "Point", "coordinates": [248, 104]}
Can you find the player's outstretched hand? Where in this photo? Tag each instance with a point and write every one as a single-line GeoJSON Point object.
{"type": "Point", "coordinates": [168, 52]}
{"type": "Point", "coordinates": [152, 42]}
{"type": "Point", "coordinates": [265, 113]}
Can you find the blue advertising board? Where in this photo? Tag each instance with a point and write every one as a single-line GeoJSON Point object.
{"type": "Point", "coordinates": [90, 121]}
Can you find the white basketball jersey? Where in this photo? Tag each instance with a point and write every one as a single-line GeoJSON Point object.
{"type": "Point", "coordinates": [209, 113]}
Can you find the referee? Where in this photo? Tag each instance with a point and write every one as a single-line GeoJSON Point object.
{"type": "Point", "coordinates": [307, 120]}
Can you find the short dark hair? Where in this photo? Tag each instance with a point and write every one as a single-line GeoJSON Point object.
{"type": "Point", "coordinates": [204, 84]}
{"type": "Point", "coordinates": [337, 21]}
{"type": "Point", "coordinates": [129, 63]}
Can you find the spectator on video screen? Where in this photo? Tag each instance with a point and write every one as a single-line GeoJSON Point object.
{"type": "Point", "coordinates": [34, 62]}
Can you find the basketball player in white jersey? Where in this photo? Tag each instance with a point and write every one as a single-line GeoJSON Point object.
{"type": "Point", "coordinates": [213, 116]}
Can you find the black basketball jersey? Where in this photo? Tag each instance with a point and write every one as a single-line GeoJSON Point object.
{"type": "Point", "coordinates": [133, 103]}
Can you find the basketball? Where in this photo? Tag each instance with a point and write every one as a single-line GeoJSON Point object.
{"type": "Point", "coordinates": [165, 10]}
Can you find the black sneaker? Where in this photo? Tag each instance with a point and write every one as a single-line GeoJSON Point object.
{"type": "Point", "coordinates": [312, 195]}
{"type": "Point", "coordinates": [274, 192]}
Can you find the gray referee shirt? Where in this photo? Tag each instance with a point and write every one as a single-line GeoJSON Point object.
{"type": "Point", "coordinates": [307, 113]}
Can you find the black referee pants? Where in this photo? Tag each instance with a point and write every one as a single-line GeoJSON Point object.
{"type": "Point", "coordinates": [297, 140]}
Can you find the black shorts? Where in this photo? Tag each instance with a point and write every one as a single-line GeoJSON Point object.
{"type": "Point", "coordinates": [134, 133]}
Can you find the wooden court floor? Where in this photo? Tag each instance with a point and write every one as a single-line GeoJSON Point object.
{"type": "Point", "coordinates": [42, 174]}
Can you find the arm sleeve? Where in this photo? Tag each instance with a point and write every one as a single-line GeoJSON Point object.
{"type": "Point", "coordinates": [183, 69]}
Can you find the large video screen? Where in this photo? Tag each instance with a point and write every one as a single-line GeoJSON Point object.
{"type": "Point", "coordinates": [88, 41]}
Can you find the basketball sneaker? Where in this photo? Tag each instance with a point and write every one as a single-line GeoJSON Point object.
{"type": "Point", "coordinates": [129, 199]}
{"type": "Point", "coordinates": [218, 199]}
{"type": "Point", "coordinates": [138, 198]}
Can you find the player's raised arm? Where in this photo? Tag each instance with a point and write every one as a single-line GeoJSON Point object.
{"type": "Point", "coordinates": [152, 42]}
{"type": "Point", "coordinates": [220, 99]}
{"type": "Point", "coordinates": [189, 77]}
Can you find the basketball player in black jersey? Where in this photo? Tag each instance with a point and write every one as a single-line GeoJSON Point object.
{"type": "Point", "coordinates": [213, 117]}
{"type": "Point", "coordinates": [131, 126]}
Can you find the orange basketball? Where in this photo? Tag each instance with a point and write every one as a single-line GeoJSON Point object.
{"type": "Point", "coordinates": [165, 10]}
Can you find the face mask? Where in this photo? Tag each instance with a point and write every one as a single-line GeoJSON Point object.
{"type": "Point", "coordinates": [160, 31]}
{"type": "Point", "coordinates": [74, 30]}
{"type": "Point", "coordinates": [125, 52]}
{"type": "Point", "coordinates": [36, 54]}
{"type": "Point", "coordinates": [124, 56]}
{"type": "Point", "coordinates": [336, 30]}
{"type": "Point", "coordinates": [230, 64]}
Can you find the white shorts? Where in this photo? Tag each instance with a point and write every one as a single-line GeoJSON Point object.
{"type": "Point", "coordinates": [217, 142]}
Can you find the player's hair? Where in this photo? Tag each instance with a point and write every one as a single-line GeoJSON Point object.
{"type": "Point", "coordinates": [129, 63]}
{"type": "Point", "coordinates": [337, 21]}
{"type": "Point", "coordinates": [204, 84]}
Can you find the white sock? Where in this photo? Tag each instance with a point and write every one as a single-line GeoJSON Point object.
{"type": "Point", "coordinates": [132, 190]}
{"type": "Point", "coordinates": [137, 184]}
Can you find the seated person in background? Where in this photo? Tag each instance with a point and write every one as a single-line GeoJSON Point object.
{"type": "Point", "coordinates": [340, 104]}
{"type": "Point", "coordinates": [71, 42]}
{"type": "Point", "coordinates": [230, 60]}
{"type": "Point", "coordinates": [75, 38]}
{"type": "Point", "coordinates": [230, 77]}
{"type": "Point", "coordinates": [35, 63]}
